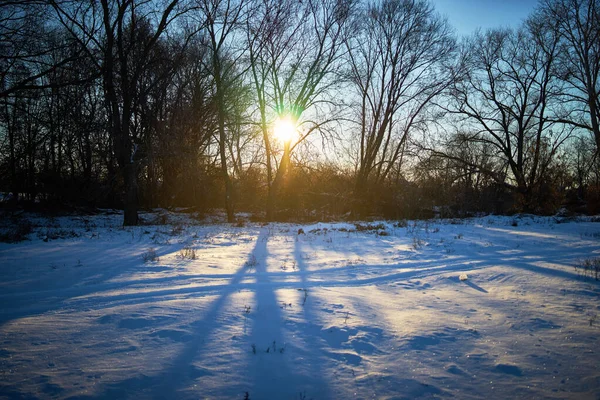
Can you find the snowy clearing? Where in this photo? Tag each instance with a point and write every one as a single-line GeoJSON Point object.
{"type": "Point", "coordinates": [467, 309]}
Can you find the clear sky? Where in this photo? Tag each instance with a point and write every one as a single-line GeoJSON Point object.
{"type": "Point", "coordinates": [467, 15]}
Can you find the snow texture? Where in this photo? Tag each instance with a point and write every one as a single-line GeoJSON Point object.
{"type": "Point", "coordinates": [92, 310]}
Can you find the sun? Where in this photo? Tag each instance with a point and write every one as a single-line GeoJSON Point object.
{"type": "Point", "coordinates": [284, 129]}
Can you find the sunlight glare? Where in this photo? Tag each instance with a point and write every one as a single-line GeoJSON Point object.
{"type": "Point", "coordinates": [284, 129]}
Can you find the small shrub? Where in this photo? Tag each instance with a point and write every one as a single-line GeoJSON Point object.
{"type": "Point", "coordinates": [417, 243]}
{"type": "Point", "coordinates": [162, 219]}
{"type": "Point", "coordinates": [150, 255]}
{"type": "Point", "coordinates": [449, 249]}
{"type": "Point", "coordinates": [302, 396]}
{"type": "Point", "coordinates": [53, 234]}
{"type": "Point", "coordinates": [589, 267]}
{"type": "Point", "coordinates": [412, 228]}
{"type": "Point", "coordinates": [187, 253]}
{"type": "Point", "coordinates": [305, 295]}
{"type": "Point", "coordinates": [369, 227]}
{"type": "Point", "coordinates": [177, 229]}
{"type": "Point", "coordinates": [251, 262]}
{"type": "Point", "coordinates": [354, 261]}
{"type": "Point", "coordinates": [401, 224]}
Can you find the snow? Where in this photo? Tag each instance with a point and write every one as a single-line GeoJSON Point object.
{"type": "Point", "coordinates": [266, 312]}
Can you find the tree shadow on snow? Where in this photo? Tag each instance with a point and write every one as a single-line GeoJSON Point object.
{"type": "Point", "coordinates": [268, 361]}
{"type": "Point", "coordinates": [268, 369]}
{"type": "Point", "coordinates": [181, 371]}
{"type": "Point", "coordinates": [316, 355]}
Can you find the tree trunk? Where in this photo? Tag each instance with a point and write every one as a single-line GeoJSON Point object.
{"type": "Point", "coordinates": [130, 217]}
{"type": "Point", "coordinates": [14, 182]}
{"type": "Point", "coordinates": [221, 117]}
{"type": "Point", "coordinates": [275, 187]}
{"type": "Point", "coordinates": [223, 155]}
{"type": "Point", "coordinates": [227, 179]}
{"type": "Point", "coordinates": [594, 120]}
{"type": "Point", "coordinates": [360, 191]}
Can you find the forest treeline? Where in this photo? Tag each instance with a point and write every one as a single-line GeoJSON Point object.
{"type": "Point", "coordinates": [174, 103]}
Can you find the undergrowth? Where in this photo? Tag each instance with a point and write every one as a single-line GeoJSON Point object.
{"type": "Point", "coordinates": [17, 232]}
{"type": "Point", "coordinates": [589, 268]}
{"type": "Point", "coordinates": [187, 253]}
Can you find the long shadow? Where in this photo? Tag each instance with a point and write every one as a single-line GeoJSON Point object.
{"type": "Point", "coordinates": [39, 296]}
{"type": "Point", "coordinates": [485, 259]}
{"type": "Point", "coordinates": [510, 239]}
{"type": "Point", "coordinates": [35, 296]}
{"type": "Point", "coordinates": [140, 297]}
{"type": "Point", "coordinates": [181, 370]}
{"type": "Point", "coordinates": [546, 271]}
{"type": "Point", "coordinates": [475, 286]}
{"type": "Point", "coordinates": [268, 362]}
{"type": "Point", "coordinates": [321, 389]}
{"type": "Point", "coordinates": [519, 261]}
{"type": "Point", "coordinates": [553, 251]}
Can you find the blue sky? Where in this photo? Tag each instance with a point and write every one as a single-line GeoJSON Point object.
{"type": "Point", "coordinates": [467, 15]}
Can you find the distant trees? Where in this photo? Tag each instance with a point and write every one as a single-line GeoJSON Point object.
{"type": "Point", "coordinates": [172, 103]}
{"type": "Point", "coordinates": [505, 101]}
{"type": "Point", "coordinates": [120, 38]}
{"type": "Point", "coordinates": [524, 94]}
{"type": "Point", "coordinates": [180, 170]}
{"type": "Point", "coordinates": [36, 58]}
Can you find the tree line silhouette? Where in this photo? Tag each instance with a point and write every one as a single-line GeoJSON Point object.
{"type": "Point", "coordinates": [171, 103]}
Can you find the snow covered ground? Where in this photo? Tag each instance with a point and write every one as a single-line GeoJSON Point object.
{"type": "Point", "coordinates": [89, 310]}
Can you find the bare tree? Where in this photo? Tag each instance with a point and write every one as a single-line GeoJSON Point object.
{"type": "Point", "coordinates": [294, 50]}
{"type": "Point", "coordinates": [578, 61]}
{"type": "Point", "coordinates": [505, 101]}
{"type": "Point", "coordinates": [28, 43]}
{"type": "Point", "coordinates": [33, 53]}
{"type": "Point", "coordinates": [179, 117]}
{"type": "Point", "coordinates": [400, 61]}
{"type": "Point", "coordinates": [222, 20]}
{"type": "Point", "coordinates": [584, 163]}
{"type": "Point", "coordinates": [109, 33]}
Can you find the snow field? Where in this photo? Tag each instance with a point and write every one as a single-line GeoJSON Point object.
{"type": "Point", "coordinates": [270, 313]}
